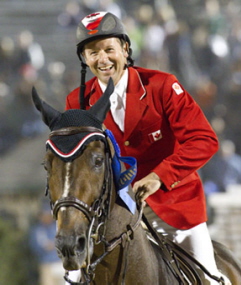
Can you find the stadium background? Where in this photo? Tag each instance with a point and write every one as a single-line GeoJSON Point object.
{"type": "Point", "coordinates": [199, 41]}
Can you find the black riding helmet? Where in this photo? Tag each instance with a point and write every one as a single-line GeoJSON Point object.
{"type": "Point", "coordinates": [99, 25]}
{"type": "Point", "coordinates": [95, 26]}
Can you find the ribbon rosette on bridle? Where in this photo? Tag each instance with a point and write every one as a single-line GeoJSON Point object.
{"type": "Point", "coordinates": [123, 178]}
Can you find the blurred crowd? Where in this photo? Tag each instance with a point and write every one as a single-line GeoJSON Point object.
{"type": "Point", "coordinates": [19, 65]}
{"type": "Point", "coordinates": [198, 41]}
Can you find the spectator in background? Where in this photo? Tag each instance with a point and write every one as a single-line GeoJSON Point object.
{"type": "Point", "coordinates": [28, 51]}
{"type": "Point", "coordinates": [20, 63]}
{"type": "Point", "coordinates": [223, 170]}
{"type": "Point", "coordinates": [7, 59]}
{"type": "Point", "coordinates": [42, 236]}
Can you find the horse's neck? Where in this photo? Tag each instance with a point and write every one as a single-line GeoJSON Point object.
{"type": "Point", "coordinates": [119, 218]}
{"type": "Point", "coordinates": [130, 251]}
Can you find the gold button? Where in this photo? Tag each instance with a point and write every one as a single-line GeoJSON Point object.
{"type": "Point", "coordinates": [126, 143]}
{"type": "Point", "coordinates": [175, 184]}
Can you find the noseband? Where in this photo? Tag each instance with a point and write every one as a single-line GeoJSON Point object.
{"type": "Point", "coordinates": [89, 212]}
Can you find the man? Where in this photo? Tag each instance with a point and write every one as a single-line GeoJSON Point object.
{"type": "Point", "coordinates": [156, 121]}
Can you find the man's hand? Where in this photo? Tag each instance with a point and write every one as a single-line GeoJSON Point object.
{"type": "Point", "coordinates": [146, 186]}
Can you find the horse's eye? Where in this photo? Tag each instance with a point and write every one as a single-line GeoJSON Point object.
{"type": "Point", "coordinates": [99, 161]}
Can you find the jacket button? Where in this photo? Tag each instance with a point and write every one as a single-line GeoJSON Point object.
{"type": "Point", "coordinates": [126, 143]}
{"type": "Point", "coordinates": [175, 184]}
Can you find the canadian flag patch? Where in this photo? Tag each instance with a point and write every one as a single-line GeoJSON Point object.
{"type": "Point", "coordinates": [155, 136]}
{"type": "Point", "coordinates": [177, 88]}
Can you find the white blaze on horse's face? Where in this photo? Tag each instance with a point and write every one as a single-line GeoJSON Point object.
{"type": "Point", "coordinates": [67, 180]}
{"type": "Point", "coordinates": [66, 183]}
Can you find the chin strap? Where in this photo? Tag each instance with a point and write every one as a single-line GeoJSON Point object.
{"type": "Point", "coordinates": [82, 85]}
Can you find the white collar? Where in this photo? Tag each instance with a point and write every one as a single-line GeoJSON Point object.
{"type": "Point", "coordinates": [120, 87]}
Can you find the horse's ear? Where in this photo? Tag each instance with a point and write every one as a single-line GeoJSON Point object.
{"type": "Point", "coordinates": [49, 114]}
{"type": "Point", "coordinates": [102, 106]}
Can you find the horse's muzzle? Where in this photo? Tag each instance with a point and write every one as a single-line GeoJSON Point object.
{"type": "Point", "coordinates": [72, 250]}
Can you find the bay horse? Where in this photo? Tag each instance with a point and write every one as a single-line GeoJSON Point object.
{"type": "Point", "coordinates": [97, 232]}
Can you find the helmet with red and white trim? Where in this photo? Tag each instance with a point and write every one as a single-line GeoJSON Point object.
{"type": "Point", "coordinates": [99, 25]}
{"type": "Point", "coordinates": [96, 26]}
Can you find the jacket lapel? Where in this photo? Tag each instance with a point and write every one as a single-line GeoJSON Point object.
{"type": "Point", "coordinates": [95, 93]}
{"type": "Point", "coordinates": [135, 105]}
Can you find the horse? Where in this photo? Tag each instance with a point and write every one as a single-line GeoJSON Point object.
{"type": "Point", "coordinates": [98, 232]}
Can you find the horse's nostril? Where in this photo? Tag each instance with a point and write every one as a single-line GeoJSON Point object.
{"type": "Point", "coordinates": [59, 253]}
{"type": "Point", "coordinates": [80, 244]}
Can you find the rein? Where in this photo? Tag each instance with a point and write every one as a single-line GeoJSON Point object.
{"type": "Point", "coordinates": [96, 215]}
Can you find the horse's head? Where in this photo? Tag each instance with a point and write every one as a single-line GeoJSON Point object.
{"type": "Point", "coordinates": [77, 167]}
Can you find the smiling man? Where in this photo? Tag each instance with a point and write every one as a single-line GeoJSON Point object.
{"type": "Point", "coordinates": [155, 120]}
{"type": "Point", "coordinates": [106, 58]}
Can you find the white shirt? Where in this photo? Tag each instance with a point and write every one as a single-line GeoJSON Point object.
{"type": "Point", "coordinates": [118, 100]}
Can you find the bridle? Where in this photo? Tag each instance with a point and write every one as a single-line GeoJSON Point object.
{"type": "Point", "coordinates": [99, 205]}
{"type": "Point", "coordinates": [96, 214]}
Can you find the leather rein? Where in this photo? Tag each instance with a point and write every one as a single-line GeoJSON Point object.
{"type": "Point", "coordinates": [96, 214]}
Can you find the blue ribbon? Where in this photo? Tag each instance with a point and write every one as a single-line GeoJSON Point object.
{"type": "Point", "coordinates": [123, 179]}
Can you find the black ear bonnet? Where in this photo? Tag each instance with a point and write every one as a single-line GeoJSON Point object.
{"type": "Point", "coordinates": [68, 147]}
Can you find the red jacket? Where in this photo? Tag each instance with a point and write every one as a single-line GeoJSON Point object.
{"type": "Point", "coordinates": [166, 131]}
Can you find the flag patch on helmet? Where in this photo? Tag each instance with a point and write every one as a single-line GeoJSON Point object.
{"type": "Point", "coordinates": [92, 21]}
{"type": "Point", "coordinates": [177, 88]}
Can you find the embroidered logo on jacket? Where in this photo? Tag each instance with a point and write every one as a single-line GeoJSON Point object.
{"type": "Point", "coordinates": [155, 136]}
{"type": "Point", "coordinates": [177, 88]}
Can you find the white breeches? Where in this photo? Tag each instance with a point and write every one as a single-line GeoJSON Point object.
{"type": "Point", "coordinates": [195, 241]}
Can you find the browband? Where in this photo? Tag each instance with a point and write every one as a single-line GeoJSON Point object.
{"type": "Point", "coordinates": [74, 130]}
